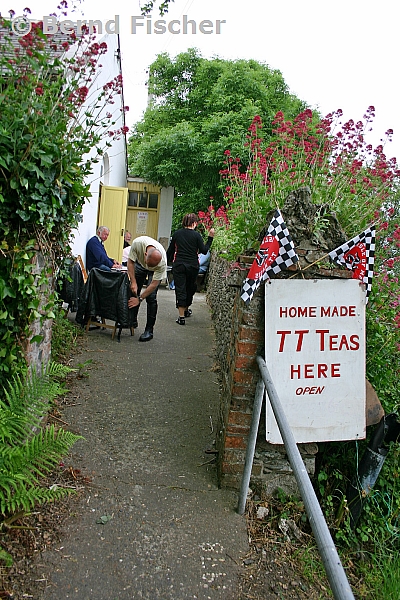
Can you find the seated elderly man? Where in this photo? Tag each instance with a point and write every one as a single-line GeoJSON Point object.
{"type": "Point", "coordinates": [96, 255]}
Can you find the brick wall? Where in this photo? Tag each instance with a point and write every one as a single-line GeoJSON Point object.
{"type": "Point", "coordinates": [239, 334]}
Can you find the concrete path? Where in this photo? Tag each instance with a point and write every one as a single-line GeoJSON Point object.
{"type": "Point", "coordinates": [148, 412]}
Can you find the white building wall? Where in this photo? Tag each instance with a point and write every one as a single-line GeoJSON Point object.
{"type": "Point", "coordinates": [112, 169]}
{"type": "Point", "coordinates": [165, 214]}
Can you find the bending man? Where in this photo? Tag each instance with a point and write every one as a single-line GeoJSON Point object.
{"type": "Point", "coordinates": [147, 260]}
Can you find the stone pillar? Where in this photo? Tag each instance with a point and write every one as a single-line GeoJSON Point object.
{"type": "Point", "coordinates": [38, 353]}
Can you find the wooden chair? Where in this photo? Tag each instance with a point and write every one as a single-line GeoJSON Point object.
{"type": "Point", "coordinates": [82, 266]}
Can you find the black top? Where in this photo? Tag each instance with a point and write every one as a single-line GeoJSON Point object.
{"type": "Point", "coordinates": [185, 247]}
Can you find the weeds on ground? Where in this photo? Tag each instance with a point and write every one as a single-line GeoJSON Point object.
{"type": "Point", "coordinates": [283, 550]}
{"type": "Point", "coordinates": [369, 552]}
{"type": "Point", "coordinates": [65, 336]}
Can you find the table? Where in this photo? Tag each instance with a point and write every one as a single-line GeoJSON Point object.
{"type": "Point", "coordinates": [106, 295]}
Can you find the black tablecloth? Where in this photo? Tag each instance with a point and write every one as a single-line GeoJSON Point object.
{"type": "Point", "coordinates": [106, 294]}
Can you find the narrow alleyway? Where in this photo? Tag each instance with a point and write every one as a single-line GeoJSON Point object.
{"type": "Point", "coordinates": [154, 523]}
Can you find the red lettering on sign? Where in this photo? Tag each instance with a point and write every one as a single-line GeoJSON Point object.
{"type": "Point", "coordinates": [311, 371]}
{"type": "Point", "coordinates": [297, 311]}
{"type": "Point", "coordinates": [333, 342]}
{"type": "Point", "coordinates": [300, 333]}
{"type": "Point", "coordinates": [354, 340]}
{"type": "Point", "coordinates": [283, 335]}
{"type": "Point", "coordinates": [341, 311]}
{"type": "Point", "coordinates": [314, 390]}
{"type": "Point", "coordinates": [322, 338]}
{"type": "Point", "coordinates": [322, 369]}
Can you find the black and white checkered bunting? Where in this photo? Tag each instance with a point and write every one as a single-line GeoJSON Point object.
{"type": "Point", "coordinates": [367, 240]}
{"type": "Point", "coordinates": [287, 256]}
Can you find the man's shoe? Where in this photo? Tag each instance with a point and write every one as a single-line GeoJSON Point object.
{"type": "Point", "coordinates": [188, 313]}
{"type": "Point", "coordinates": [146, 336]}
{"type": "Point", "coordinates": [180, 321]}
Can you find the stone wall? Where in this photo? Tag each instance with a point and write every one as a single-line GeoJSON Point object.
{"type": "Point", "coordinates": [38, 353]}
{"type": "Point", "coordinates": [239, 333]}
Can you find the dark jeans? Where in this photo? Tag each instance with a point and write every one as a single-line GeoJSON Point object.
{"type": "Point", "coordinates": [141, 275]}
{"type": "Point", "coordinates": [185, 284]}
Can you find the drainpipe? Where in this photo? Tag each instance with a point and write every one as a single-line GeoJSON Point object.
{"type": "Point", "coordinates": [119, 59]}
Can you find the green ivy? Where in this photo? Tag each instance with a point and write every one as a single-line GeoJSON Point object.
{"type": "Point", "coordinates": [48, 133]}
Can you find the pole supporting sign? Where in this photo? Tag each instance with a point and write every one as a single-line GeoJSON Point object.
{"type": "Point", "coordinates": [315, 349]}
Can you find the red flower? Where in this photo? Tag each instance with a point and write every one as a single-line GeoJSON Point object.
{"type": "Point", "coordinates": [39, 91]}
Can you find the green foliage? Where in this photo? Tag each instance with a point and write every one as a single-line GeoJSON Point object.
{"type": "Point", "coordinates": [27, 451]}
{"type": "Point", "coordinates": [345, 175]}
{"type": "Point", "coordinates": [199, 108]}
{"type": "Point", "coordinates": [384, 576]}
{"type": "Point", "coordinates": [50, 135]}
{"type": "Point", "coordinates": [361, 186]}
{"type": "Point", "coordinates": [64, 336]}
{"type": "Point", "coordinates": [163, 8]}
{"type": "Point", "coordinates": [82, 372]}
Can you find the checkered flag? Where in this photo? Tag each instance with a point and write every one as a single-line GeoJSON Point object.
{"type": "Point", "coordinates": [276, 252]}
{"type": "Point", "coordinates": [358, 255]}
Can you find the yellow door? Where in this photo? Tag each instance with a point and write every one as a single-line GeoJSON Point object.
{"type": "Point", "coordinates": [112, 214]}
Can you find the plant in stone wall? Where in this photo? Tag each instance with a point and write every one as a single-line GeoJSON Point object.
{"type": "Point", "coordinates": [52, 117]}
{"type": "Point", "coordinates": [333, 159]}
{"type": "Point", "coordinates": [347, 176]}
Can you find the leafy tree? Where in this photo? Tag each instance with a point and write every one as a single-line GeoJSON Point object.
{"type": "Point", "coordinates": [198, 108]}
{"type": "Point", "coordinates": [163, 8]}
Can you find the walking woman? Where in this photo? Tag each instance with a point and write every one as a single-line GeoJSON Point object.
{"type": "Point", "coordinates": [183, 252]}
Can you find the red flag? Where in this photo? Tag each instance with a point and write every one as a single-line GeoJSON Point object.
{"type": "Point", "coordinates": [267, 253]}
{"type": "Point", "coordinates": [356, 260]}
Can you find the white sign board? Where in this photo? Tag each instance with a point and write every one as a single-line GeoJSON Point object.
{"type": "Point", "coordinates": [315, 353]}
{"type": "Point", "coordinates": [141, 223]}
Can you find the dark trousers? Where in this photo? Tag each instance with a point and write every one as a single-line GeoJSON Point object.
{"type": "Point", "coordinates": [141, 275]}
{"type": "Point", "coordinates": [185, 284]}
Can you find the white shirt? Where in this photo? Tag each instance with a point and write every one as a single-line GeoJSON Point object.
{"type": "Point", "coordinates": [138, 250]}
